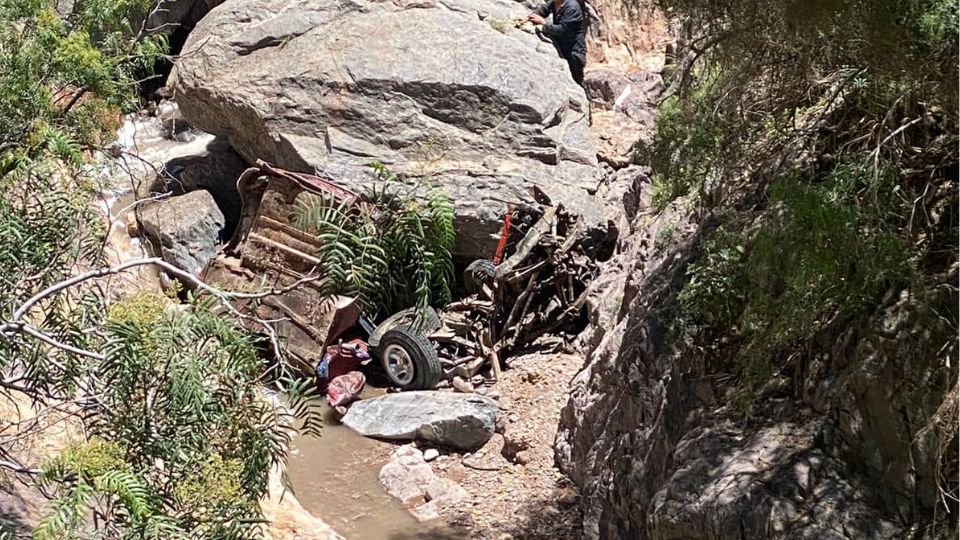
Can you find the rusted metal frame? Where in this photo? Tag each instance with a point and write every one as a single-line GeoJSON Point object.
{"type": "Point", "coordinates": [279, 226]}
{"type": "Point", "coordinates": [254, 237]}
{"type": "Point", "coordinates": [530, 241]}
{"type": "Point", "coordinates": [320, 184]}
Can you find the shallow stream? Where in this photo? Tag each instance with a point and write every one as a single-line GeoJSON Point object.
{"type": "Point", "coordinates": [336, 477]}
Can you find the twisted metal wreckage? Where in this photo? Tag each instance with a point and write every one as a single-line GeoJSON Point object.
{"type": "Point", "coordinates": [539, 289]}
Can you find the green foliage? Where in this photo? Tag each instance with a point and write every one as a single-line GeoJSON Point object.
{"type": "Point", "coordinates": [820, 130]}
{"type": "Point", "coordinates": [392, 256]}
{"type": "Point", "coordinates": [174, 387]}
{"type": "Point", "coordinates": [140, 310]}
{"type": "Point", "coordinates": [716, 289]}
{"type": "Point", "coordinates": [90, 459]}
{"type": "Point", "coordinates": [215, 485]}
{"type": "Point", "coordinates": [834, 78]}
{"type": "Point", "coordinates": [170, 397]}
{"type": "Point", "coordinates": [58, 73]}
{"type": "Point", "coordinates": [682, 158]}
{"type": "Point", "coordinates": [94, 468]}
{"type": "Point", "coordinates": [813, 259]}
{"type": "Point", "coordinates": [61, 87]}
{"type": "Point", "coordinates": [191, 437]}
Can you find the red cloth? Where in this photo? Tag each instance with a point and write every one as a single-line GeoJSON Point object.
{"type": "Point", "coordinates": [342, 359]}
{"type": "Point", "coordinates": [339, 360]}
{"type": "Point", "coordinates": [345, 388]}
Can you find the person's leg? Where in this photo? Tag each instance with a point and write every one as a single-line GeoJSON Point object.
{"type": "Point", "coordinates": [576, 69]}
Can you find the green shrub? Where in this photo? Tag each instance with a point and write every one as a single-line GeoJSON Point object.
{"type": "Point", "coordinates": [393, 258]}
{"type": "Point", "coordinates": [181, 439]}
{"type": "Point", "coordinates": [813, 258]}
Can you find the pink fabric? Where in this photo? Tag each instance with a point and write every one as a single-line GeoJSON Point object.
{"type": "Point", "coordinates": [345, 358]}
{"type": "Point", "coordinates": [345, 388]}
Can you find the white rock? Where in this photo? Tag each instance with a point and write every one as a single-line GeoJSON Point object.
{"type": "Point", "coordinates": [464, 421]}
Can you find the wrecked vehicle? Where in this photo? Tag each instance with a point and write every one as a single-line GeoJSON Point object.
{"type": "Point", "coordinates": [538, 289]}
{"type": "Point", "coordinates": [268, 253]}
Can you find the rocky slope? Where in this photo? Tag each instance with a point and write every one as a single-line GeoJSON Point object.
{"type": "Point", "coordinates": [838, 449]}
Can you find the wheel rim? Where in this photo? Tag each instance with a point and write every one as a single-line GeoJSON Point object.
{"type": "Point", "coordinates": [398, 363]}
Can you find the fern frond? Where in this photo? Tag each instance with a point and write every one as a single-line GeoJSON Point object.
{"type": "Point", "coordinates": [129, 489]}
{"type": "Point", "coordinates": [65, 516]}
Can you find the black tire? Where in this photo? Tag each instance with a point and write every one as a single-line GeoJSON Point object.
{"type": "Point", "coordinates": [420, 353]}
{"type": "Point", "coordinates": [478, 273]}
{"type": "Point", "coordinates": [406, 317]}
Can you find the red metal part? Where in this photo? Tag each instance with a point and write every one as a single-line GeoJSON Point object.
{"type": "Point", "coordinates": [341, 194]}
{"type": "Point", "coordinates": [504, 233]}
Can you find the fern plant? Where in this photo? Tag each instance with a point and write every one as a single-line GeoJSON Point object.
{"type": "Point", "coordinates": [392, 257]}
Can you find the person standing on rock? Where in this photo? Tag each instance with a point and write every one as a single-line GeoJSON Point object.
{"type": "Point", "coordinates": [568, 32]}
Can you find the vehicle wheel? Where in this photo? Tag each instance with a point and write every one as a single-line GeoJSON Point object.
{"type": "Point", "coordinates": [409, 359]}
{"type": "Point", "coordinates": [406, 317]}
{"type": "Point", "coordinates": [477, 274]}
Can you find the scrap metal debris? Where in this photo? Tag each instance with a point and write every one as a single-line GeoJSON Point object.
{"type": "Point", "coordinates": [539, 290]}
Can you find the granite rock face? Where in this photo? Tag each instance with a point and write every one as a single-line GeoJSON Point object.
{"type": "Point", "coordinates": [653, 439]}
{"type": "Point", "coordinates": [425, 87]}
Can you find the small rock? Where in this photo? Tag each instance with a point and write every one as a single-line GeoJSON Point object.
{"type": "Point", "coordinates": [446, 492]}
{"type": "Point", "coordinates": [522, 457]}
{"type": "Point", "coordinates": [406, 476]}
{"type": "Point", "coordinates": [501, 425]}
{"type": "Point", "coordinates": [490, 457]}
{"type": "Point", "coordinates": [431, 454]}
{"type": "Point", "coordinates": [427, 511]}
{"type": "Point", "coordinates": [462, 386]}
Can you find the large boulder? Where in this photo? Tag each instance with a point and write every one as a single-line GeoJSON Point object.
{"type": "Point", "coordinates": [214, 168]}
{"type": "Point", "coordinates": [184, 229]}
{"type": "Point", "coordinates": [426, 87]}
{"type": "Point", "coordinates": [464, 421]}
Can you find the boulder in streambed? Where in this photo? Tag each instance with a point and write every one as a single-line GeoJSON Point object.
{"type": "Point", "coordinates": [214, 168]}
{"type": "Point", "coordinates": [184, 229]}
{"type": "Point", "coordinates": [425, 87]}
{"type": "Point", "coordinates": [464, 421]}
{"type": "Point", "coordinates": [408, 477]}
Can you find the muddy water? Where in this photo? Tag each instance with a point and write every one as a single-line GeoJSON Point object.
{"type": "Point", "coordinates": [336, 477]}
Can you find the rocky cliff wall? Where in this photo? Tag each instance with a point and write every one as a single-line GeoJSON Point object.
{"type": "Point", "coordinates": [844, 445]}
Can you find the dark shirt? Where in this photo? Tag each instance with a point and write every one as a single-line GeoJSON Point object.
{"type": "Point", "coordinates": [569, 28]}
